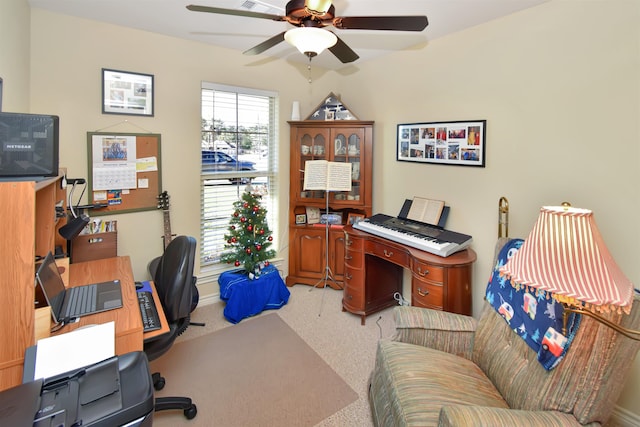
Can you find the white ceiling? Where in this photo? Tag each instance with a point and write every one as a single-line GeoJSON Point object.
{"type": "Point", "coordinates": [171, 18]}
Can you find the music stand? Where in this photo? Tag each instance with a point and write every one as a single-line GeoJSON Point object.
{"type": "Point", "coordinates": [326, 176]}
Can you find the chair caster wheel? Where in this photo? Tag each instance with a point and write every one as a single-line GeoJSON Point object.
{"type": "Point", "coordinates": [191, 412]}
{"type": "Point", "coordinates": [158, 381]}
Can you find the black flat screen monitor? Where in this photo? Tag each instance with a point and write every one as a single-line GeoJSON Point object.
{"type": "Point", "coordinates": [29, 145]}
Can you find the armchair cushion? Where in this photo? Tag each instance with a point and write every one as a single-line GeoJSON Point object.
{"type": "Point", "coordinates": [411, 383]}
{"type": "Point", "coordinates": [482, 416]}
{"type": "Point", "coordinates": [440, 330]}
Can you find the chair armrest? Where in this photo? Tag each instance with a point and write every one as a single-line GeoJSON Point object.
{"type": "Point", "coordinates": [483, 416]}
{"type": "Point", "coordinates": [440, 330]}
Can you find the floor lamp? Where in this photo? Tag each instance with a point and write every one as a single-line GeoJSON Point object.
{"type": "Point", "coordinates": [566, 256]}
{"type": "Point", "coordinates": [326, 176]}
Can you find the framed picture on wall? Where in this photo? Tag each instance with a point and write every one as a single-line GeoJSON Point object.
{"type": "Point", "coordinates": [460, 143]}
{"type": "Point", "coordinates": [128, 93]}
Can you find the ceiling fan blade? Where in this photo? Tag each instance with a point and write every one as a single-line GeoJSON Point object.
{"type": "Point", "coordinates": [235, 12]}
{"type": "Point", "coordinates": [343, 52]}
{"type": "Point", "coordinates": [267, 44]}
{"type": "Point", "coordinates": [393, 23]}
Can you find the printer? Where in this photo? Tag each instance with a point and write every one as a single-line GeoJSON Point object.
{"type": "Point", "coordinates": [114, 392]}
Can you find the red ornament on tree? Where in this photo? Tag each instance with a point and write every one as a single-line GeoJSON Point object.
{"type": "Point", "coordinates": [261, 231]}
{"type": "Point", "coordinates": [258, 247]}
{"type": "Point", "coordinates": [250, 227]}
{"type": "Point", "coordinates": [233, 240]}
{"type": "Point", "coordinates": [243, 219]}
{"type": "Point", "coordinates": [248, 250]}
{"type": "Point", "coordinates": [236, 213]}
{"type": "Point", "coordinates": [237, 263]}
{"type": "Point", "coordinates": [270, 238]}
{"type": "Point", "coordinates": [256, 208]}
{"type": "Point", "coordinates": [245, 205]}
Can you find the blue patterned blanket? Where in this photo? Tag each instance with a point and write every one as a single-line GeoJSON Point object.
{"type": "Point", "coordinates": [531, 313]}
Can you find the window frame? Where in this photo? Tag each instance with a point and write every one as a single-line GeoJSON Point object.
{"type": "Point", "coordinates": [268, 175]}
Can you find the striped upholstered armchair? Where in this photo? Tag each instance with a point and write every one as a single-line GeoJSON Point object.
{"type": "Point", "coordinates": [444, 369]}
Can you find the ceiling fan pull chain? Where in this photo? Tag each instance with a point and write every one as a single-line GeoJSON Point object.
{"type": "Point", "coordinates": [309, 69]}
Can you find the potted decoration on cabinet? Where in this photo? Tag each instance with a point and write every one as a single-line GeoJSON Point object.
{"type": "Point", "coordinates": [248, 238]}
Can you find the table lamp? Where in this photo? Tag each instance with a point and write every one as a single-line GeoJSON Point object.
{"type": "Point", "coordinates": [566, 256]}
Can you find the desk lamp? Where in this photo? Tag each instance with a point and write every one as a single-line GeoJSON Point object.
{"type": "Point", "coordinates": [74, 226]}
{"type": "Point", "coordinates": [566, 256]}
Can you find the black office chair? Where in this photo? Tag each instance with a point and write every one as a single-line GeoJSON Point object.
{"type": "Point", "coordinates": [174, 283]}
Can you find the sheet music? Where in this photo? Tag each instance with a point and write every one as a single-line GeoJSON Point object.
{"type": "Point", "coordinates": [328, 176]}
{"type": "Point", "coordinates": [426, 210]}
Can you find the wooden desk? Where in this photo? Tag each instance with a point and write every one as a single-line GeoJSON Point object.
{"type": "Point", "coordinates": [128, 321]}
{"type": "Point", "coordinates": [373, 274]}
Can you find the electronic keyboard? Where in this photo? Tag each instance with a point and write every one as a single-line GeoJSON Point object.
{"type": "Point", "coordinates": [425, 237]}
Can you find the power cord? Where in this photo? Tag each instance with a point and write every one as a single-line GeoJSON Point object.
{"type": "Point", "coordinates": [401, 301]}
{"type": "Point", "coordinates": [64, 322]}
{"type": "Point", "coordinates": [379, 327]}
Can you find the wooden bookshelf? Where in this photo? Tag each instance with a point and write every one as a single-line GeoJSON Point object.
{"type": "Point", "coordinates": [29, 229]}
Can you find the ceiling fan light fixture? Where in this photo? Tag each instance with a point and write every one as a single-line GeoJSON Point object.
{"type": "Point", "coordinates": [317, 7]}
{"type": "Point", "coordinates": [310, 41]}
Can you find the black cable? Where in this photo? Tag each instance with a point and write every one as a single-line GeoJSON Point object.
{"type": "Point", "coordinates": [64, 322]}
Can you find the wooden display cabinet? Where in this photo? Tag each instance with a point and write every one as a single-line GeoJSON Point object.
{"type": "Point", "coordinates": [29, 229]}
{"type": "Point", "coordinates": [336, 141]}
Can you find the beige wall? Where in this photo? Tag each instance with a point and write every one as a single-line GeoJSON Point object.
{"type": "Point", "coordinates": [68, 55]}
{"type": "Point", "coordinates": [15, 39]}
{"type": "Point", "coordinates": [558, 85]}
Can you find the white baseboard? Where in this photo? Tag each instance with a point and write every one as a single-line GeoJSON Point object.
{"type": "Point", "coordinates": [623, 418]}
{"type": "Point", "coordinates": [209, 299]}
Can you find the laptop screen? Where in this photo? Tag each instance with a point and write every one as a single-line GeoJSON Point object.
{"type": "Point", "coordinates": [52, 285]}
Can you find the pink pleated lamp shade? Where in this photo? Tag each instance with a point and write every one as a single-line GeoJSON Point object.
{"type": "Point", "coordinates": [566, 256]}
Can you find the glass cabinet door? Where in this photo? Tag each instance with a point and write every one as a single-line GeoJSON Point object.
{"type": "Point", "coordinates": [313, 146]}
{"type": "Point", "coordinates": [347, 147]}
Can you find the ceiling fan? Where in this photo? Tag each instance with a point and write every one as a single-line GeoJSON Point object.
{"type": "Point", "coordinates": [310, 16]}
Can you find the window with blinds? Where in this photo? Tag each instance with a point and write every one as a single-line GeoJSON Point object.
{"type": "Point", "coordinates": [238, 148]}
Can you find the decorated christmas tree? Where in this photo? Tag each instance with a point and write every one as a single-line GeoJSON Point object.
{"type": "Point", "coordinates": [248, 238]}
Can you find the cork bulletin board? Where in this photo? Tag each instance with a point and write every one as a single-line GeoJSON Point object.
{"type": "Point", "coordinates": [124, 171]}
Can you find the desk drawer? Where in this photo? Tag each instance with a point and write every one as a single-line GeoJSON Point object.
{"type": "Point", "coordinates": [428, 271]}
{"type": "Point", "coordinates": [353, 243]}
{"type": "Point", "coordinates": [353, 258]}
{"type": "Point", "coordinates": [390, 253]}
{"type": "Point", "coordinates": [89, 247]}
{"type": "Point", "coordinates": [427, 295]}
{"type": "Point", "coordinates": [353, 296]}
{"type": "Point", "coordinates": [353, 277]}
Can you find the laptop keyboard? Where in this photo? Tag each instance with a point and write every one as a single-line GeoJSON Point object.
{"type": "Point", "coordinates": [83, 300]}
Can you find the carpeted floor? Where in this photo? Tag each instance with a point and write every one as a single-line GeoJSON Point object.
{"type": "Point", "coordinates": [305, 364]}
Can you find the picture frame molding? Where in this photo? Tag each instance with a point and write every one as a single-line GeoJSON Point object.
{"type": "Point", "coordinates": [353, 218]}
{"type": "Point", "coordinates": [127, 93]}
{"type": "Point", "coordinates": [457, 143]}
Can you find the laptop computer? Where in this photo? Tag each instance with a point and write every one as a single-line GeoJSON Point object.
{"type": "Point", "coordinates": [78, 301]}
